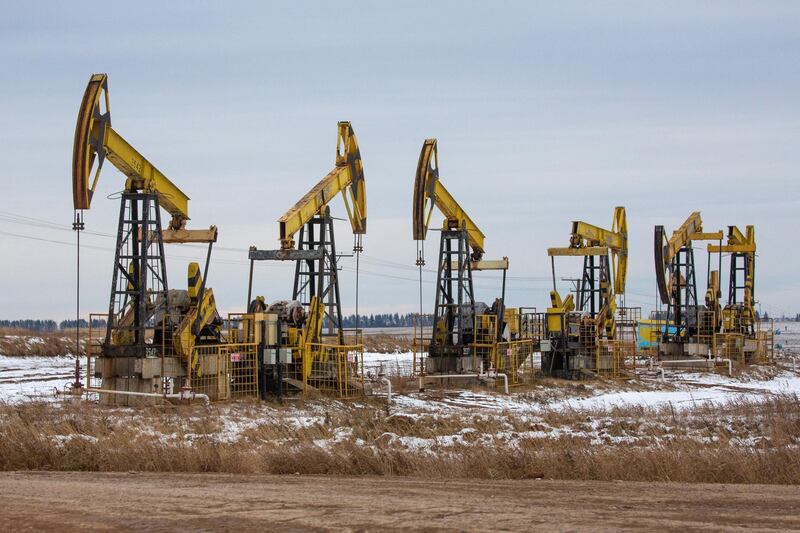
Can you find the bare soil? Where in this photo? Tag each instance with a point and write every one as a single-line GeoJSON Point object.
{"type": "Point", "coordinates": [170, 502]}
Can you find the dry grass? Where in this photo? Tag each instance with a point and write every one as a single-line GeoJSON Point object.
{"type": "Point", "coordinates": [739, 443]}
{"type": "Point", "coordinates": [22, 342]}
{"type": "Point", "coordinates": [387, 343]}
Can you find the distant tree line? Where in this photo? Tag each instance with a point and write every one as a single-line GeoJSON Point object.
{"type": "Point", "coordinates": [383, 320]}
{"type": "Point", "coordinates": [49, 325]}
{"type": "Point", "coordinates": [31, 324]}
{"type": "Point", "coordinates": [72, 324]}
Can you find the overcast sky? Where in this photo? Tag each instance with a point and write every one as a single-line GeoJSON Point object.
{"type": "Point", "coordinates": [543, 114]}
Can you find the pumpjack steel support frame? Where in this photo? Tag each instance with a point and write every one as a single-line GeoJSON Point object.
{"type": "Point", "coordinates": [316, 269]}
{"type": "Point", "coordinates": [450, 304]}
{"type": "Point", "coordinates": [679, 292]}
{"type": "Point", "coordinates": [590, 293]}
{"type": "Point", "coordinates": [140, 274]}
{"type": "Point", "coordinates": [684, 289]}
{"type": "Point", "coordinates": [455, 297]}
{"type": "Point", "coordinates": [741, 268]}
{"type": "Point", "coordinates": [320, 277]}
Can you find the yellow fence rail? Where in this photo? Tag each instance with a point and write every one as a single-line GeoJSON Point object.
{"type": "Point", "coordinates": [225, 371]}
{"type": "Point", "coordinates": [730, 346]}
{"type": "Point", "coordinates": [765, 342]}
{"type": "Point", "coordinates": [515, 359]}
{"type": "Point", "coordinates": [334, 369]}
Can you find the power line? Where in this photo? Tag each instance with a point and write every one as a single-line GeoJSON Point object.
{"type": "Point", "coordinates": [7, 216]}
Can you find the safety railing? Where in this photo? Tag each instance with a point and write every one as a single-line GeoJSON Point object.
{"type": "Point", "coordinates": [707, 331]}
{"type": "Point", "coordinates": [532, 325]}
{"type": "Point", "coordinates": [353, 336]}
{"type": "Point", "coordinates": [225, 371]}
{"type": "Point", "coordinates": [94, 347]}
{"type": "Point", "coordinates": [515, 359]}
{"type": "Point", "coordinates": [730, 346]}
{"type": "Point", "coordinates": [606, 358]}
{"type": "Point", "coordinates": [765, 342]}
{"type": "Point", "coordinates": [627, 325]}
{"type": "Point", "coordinates": [484, 340]}
{"type": "Point", "coordinates": [615, 357]}
{"type": "Point", "coordinates": [589, 357]}
{"type": "Point", "coordinates": [334, 370]}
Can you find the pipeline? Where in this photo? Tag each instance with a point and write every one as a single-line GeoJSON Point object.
{"type": "Point", "coordinates": [494, 373]}
{"type": "Point", "coordinates": [446, 376]}
{"type": "Point", "coordinates": [183, 395]}
{"type": "Point", "coordinates": [730, 365]}
{"type": "Point", "coordinates": [505, 380]}
{"type": "Point", "coordinates": [388, 390]}
{"type": "Point", "coordinates": [708, 362]}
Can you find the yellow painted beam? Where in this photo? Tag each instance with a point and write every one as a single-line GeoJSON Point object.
{"type": "Point", "coordinates": [457, 217]}
{"type": "Point", "coordinates": [347, 174]}
{"type": "Point", "coordinates": [313, 202]}
{"type": "Point", "coordinates": [701, 236]}
{"type": "Point", "coordinates": [485, 264]}
{"type": "Point", "coordinates": [732, 248]}
{"type": "Point", "coordinates": [596, 235]}
{"type": "Point", "coordinates": [144, 175]}
{"type": "Point", "coordinates": [589, 250]}
{"type": "Point", "coordinates": [683, 235]}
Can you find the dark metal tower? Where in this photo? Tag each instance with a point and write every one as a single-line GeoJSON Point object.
{"type": "Point", "coordinates": [139, 281]}
{"type": "Point", "coordinates": [682, 308]}
{"type": "Point", "coordinates": [319, 276]}
{"type": "Point", "coordinates": [591, 296]}
{"type": "Point", "coordinates": [455, 301]}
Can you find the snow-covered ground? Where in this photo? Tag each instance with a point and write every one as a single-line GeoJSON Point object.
{"type": "Point", "coordinates": [35, 377]}
{"type": "Point", "coordinates": [680, 390]}
{"type": "Point", "coordinates": [787, 337]}
{"type": "Point", "coordinates": [388, 364]}
{"type": "Point", "coordinates": [30, 378]}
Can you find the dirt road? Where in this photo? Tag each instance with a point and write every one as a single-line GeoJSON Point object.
{"type": "Point", "coordinates": [169, 502]}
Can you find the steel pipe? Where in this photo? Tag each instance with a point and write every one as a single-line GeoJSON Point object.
{"type": "Point", "coordinates": [505, 380]}
{"type": "Point", "coordinates": [443, 376]}
{"type": "Point", "coordinates": [183, 395]}
{"type": "Point", "coordinates": [388, 390]}
{"type": "Point", "coordinates": [446, 376]}
{"type": "Point", "coordinates": [669, 361]}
